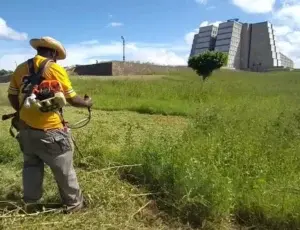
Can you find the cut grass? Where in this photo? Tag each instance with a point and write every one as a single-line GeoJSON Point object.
{"type": "Point", "coordinates": [230, 157]}
{"type": "Point", "coordinates": [113, 204]}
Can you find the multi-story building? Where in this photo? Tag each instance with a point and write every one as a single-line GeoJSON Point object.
{"type": "Point", "coordinates": [249, 46]}
{"type": "Point", "coordinates": [228, 40]}
{"type": "Point", "coordinates": [204, 40]}
{"type": "Point", "coordinates": [285, 61]}
{"type": "Point", "coordinates": [264, 52]}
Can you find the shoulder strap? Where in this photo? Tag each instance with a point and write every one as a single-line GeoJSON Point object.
{"type": "Point", "coordinates": [36, 77]}
{"type": "Point", "coordinates": [30, 66]}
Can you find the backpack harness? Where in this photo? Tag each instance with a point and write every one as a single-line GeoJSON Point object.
{"type": "Point", "coordinates": [46, 95]}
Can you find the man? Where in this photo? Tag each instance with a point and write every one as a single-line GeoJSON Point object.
{"type": "Point", "coordinates": [43, 138]}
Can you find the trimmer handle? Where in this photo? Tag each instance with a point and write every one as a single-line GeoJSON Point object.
{"type": "Point", "coordinates": [8, 116]}
{"type": "Point", "coordinates": [86, 97]}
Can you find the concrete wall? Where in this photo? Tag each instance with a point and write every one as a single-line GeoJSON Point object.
{"type": "Point", "coordinates": [193, 51]}
{"type": "Point", "coordinates": [102, 69]}
{"type": "Point", "coordinates": [120, 68]}
{"type": "Point", "coordinates": [224, 37]}
{"type": "Point", "coordinates": [285, 61]}
{"type": "Point", "coordinates": [245, 45]}
{"type": "Point", "coordinates": [228, 40]}
{"type": "Point", "coordinates": [235, 47]}
{"type": "Point", "coordinates": [261, 52]}
{"type": "Point", "coordinates": [204, 40]}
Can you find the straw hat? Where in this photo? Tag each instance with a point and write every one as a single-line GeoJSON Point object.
{"type": "Point", "coordinates": [51, 43]}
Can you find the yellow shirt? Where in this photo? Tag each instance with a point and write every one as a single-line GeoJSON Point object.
{"type": "Point", "coordinates": [32, 116]}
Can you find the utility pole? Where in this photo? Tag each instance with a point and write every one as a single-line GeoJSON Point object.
{"type": "Point", "coordinates": [123, 48]}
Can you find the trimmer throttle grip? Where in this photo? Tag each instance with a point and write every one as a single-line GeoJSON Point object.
{"type": "Point", "coordinates": [8, 116]}
{"type": "Point", "coordinates": [86, 97]}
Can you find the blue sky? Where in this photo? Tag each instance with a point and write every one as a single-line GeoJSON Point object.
{"type": "Point", "coordinates": [155, 31]}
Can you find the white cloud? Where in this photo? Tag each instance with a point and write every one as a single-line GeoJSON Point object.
{"type": "Point", "coordinates": [211, 7]}
{"type": "Point", "coordinates": [289, 14]}
{"type": "Point", "coordinates": [207, 23]}
{"type": "Point", "coordinates": [90, 42]}
{"type": "Point", "coordinates": [189, 37]}
{"type": "Point", "coordinates": [288, 2]}
{"type": "Point", "coordinates": [282, 30]}
{"type": "Point", "coordinates": [9, 61]}
{"type": "Point", "coordinates": [157, 56]}
{"type": "Point", "coordinates": [90, 51]}
{"type": "Point", "coordinates": [86, 52]}
{"type": "Point", "coordinates": [8, 33]}
{"type": "Point", "coordinates": [115, 24]}
{"type": "Point", "coordinates": [289, 45]}
{"type": "Point", "coordinates": [293, 38]}
{"type": "Point", "coordinates": [203, 2]}
{"type": "Point", "coordinates": [286, 21]}
{"type": "Point", "coordinates": [255, 6]}
{"type": "Point", "coordinates": [95, 60]}
{"type": "Point", "coordinates": [134, 52]}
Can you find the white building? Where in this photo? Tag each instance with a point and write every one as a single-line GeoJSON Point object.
{"type": "Point", "coordinates": [204, 40]}
{"type": "Point", "coordinates": [228, 40]}
{"type": "Point", "coordinates": [249, 46]}
{"type": "Point", "coordinates": [285, 61]}
{"type": "Point", "coordinates": [264, 53]}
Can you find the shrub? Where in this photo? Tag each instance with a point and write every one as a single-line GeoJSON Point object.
{"type": "Point", "coordinates": [4, 72]}
{"type": "Point", "coordinates": [205, 63]}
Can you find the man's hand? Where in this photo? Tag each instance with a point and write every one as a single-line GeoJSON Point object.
{"type": "Point", "coordinates": [88, 101]}
{"type": "Point", "coordinates": [78, 101]}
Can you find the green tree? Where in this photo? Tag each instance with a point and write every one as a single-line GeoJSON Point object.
{"type": "Point", "coordinates": [205, 63]}
{"type": "Point", "coordinates": [4, 72]}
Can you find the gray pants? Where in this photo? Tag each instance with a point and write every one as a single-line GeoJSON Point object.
{"type": "Point", "coordinates": [54, 148]}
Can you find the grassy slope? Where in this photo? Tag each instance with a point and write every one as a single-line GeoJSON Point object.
{"type": "Point", "coordinates": [231, 156]}
{"type": "Point", "coordinates": [113, 203]}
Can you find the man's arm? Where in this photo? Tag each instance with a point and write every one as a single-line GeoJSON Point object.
{"type": "Point", "coordinates": [13, 91]}
{"type": "Point", "coordinates": [72, 98]}
{"type": "Point", "coordinates": [14, 101]}
{"type": "Point", "coordinates": [78, 101]}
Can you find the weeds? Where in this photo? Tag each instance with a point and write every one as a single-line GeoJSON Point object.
{"type": "Point", "coordinates": [230, 155]}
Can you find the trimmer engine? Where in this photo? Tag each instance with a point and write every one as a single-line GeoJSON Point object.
{"type": "Point", "coordinates": [48, 96]}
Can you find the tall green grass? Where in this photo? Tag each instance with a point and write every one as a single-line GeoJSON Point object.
{"type": "Point", "coordinates": [185, 94]}
{"type": "Point", "coordinates": [232, 156]}
{"type": "Point", "coordinates": [112, 203]}
{"type": "Point", "coordinates": [237, 160]}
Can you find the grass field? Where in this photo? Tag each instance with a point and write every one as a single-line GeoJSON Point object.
{"type": "Point", "coordinates": [218, 154]}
